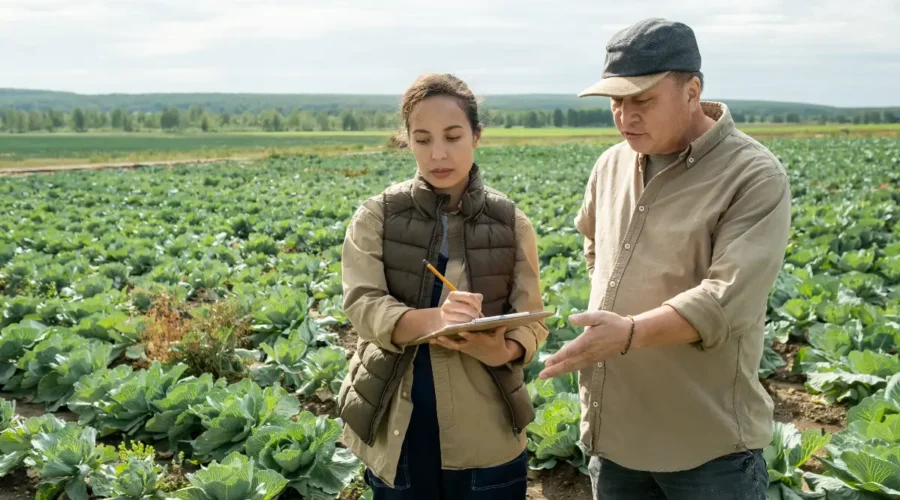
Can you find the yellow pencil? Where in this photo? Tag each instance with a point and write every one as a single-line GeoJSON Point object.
{"type": "Point", "coordinates": [440, 276]}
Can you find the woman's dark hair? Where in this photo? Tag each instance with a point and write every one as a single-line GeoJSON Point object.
{"type": "Point", "coordinates": [432, 85]}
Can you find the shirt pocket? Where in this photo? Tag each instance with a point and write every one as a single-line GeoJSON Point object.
{"type": "Point", "coordinates": [480, 379]}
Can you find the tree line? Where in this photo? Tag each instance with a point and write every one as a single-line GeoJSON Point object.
{"type": "Point", "coordinates": [197, 118]}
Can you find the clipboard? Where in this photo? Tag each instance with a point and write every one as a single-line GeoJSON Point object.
{"type": "Point", "coordinates": [484, 325]}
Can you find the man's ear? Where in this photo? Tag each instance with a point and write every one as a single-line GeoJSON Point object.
{"type": "Point", "coordinates": [694, 89]}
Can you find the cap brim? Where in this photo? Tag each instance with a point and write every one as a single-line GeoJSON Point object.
{"type": "Point", "coordinates": [623, 86]}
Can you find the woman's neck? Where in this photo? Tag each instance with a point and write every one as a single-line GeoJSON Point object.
{"type": "Point", "coordinates": [456, 193]}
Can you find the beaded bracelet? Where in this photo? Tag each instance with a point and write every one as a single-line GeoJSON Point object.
{"type": "Point", "coordinates": [630, 336]}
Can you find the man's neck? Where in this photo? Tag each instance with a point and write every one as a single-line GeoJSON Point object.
{"type": "Point", "coordinates": [700, 124]}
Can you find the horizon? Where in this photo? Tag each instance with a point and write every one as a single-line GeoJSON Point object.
{"type": "Point", "coordinates": [762, 50]}
{"type": "Point", "coordinates": [321, 94]}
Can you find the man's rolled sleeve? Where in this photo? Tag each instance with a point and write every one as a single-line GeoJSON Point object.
{"type": "Point", "coordinates": [702, 310]}
{"type": "Point", "coordinates": [748, 252]}
{"type": "Point", "coordinates": [526, 289]}
{"type": "Point", "coordinates": [369, 306]}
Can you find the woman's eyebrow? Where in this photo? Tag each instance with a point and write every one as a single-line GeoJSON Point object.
{"type": "Point", "coordinates": [423, 131]}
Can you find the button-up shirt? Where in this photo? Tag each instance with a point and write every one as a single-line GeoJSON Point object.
{"type": "Point", "coordinates": [706, 236]}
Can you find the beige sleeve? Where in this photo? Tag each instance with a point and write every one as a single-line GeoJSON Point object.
{"type": "Point", "coordinates": [585, 220]}
{"type": "Point", "coordinates": [748, 252]}
{"type": "Point", "coordinates": [526, 289]}
{"type": "Point", "coordinates": [369, 306]}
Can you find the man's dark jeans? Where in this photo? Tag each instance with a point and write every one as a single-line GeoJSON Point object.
{"type": "Point", "coordinates": [739, 476]}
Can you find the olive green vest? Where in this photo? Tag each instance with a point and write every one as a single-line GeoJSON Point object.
{"type": "Point", "coordinates": [412, 233]}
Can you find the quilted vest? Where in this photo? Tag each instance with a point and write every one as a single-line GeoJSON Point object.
{"type": "Point", "coordinates": [412, 233]}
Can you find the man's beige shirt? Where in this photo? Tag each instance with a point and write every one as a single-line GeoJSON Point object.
{"type": "Point", "coordinates": [706, 236]}
{"type": "Point", "coordinates": [474, 421]}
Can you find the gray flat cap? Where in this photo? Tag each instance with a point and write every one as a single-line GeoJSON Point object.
{"type": "Point", "coordinates": [640, 56]}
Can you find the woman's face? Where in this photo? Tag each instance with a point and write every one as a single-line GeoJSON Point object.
{"type": "Point", "coordinates": [443, 142]}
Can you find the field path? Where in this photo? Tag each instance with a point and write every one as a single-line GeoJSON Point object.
{"type": "Point", "coordinates": [100, 166]}
{"type": "Point", "coordinates": [46, 169]}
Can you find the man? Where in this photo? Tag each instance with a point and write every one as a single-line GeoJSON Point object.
{"type": "Point", "coordinates": [685, 226]}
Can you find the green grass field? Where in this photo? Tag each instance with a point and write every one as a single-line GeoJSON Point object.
{"type": "Point", "coordinates": [38, 150]}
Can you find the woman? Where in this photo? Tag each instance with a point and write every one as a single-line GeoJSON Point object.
{"type": "Point", "coordinates": [445, 420]}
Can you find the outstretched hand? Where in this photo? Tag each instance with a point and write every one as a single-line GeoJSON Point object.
{"type": "Point", "coordinates": [605, 336]}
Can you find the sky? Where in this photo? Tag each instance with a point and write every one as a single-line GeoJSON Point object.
{"type": "Point", "coordinates": [835, 52]}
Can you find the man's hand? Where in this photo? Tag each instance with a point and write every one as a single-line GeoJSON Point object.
{"type": "Point", "coordinates": [605, 336]}
{"type": "Point", "coordinates": [492, 349]}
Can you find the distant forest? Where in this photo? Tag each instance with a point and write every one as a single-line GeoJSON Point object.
{"type": "Point", "coordinates": [37, 110]}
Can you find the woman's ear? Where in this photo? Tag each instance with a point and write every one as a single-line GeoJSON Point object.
{"type": "Point", "coordinates": [476, 136]}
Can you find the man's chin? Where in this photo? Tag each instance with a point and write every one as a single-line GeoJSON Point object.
{"type": "Point", "coordinates": [639, 144]}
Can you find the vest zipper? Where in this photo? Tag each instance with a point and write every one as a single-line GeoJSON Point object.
{"type": "Point", "coordinates": [433, 249]}
{"type": "Point", "coordinates": [512, 414]}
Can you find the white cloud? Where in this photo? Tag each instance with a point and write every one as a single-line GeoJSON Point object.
{"type": "Point", "coordinates": [51, 12]}
{"type": "Point", "coordinates": [754, 49]}
{"type": "Point", "coordinates": [248, 22]}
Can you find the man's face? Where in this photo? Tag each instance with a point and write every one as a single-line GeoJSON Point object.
{"type": "Point", "coordinates": [655, 121]}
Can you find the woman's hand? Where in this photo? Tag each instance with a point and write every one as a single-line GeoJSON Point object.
{"type": "Point", "coordinates": [491, 348]}
{"type": "Point", "coordinates": [461, 307]}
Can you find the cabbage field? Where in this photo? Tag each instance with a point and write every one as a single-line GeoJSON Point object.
{"type": "Point", "coordinates": [180, 331]}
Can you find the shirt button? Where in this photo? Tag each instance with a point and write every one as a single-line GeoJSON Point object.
{"type": "Point", "coordinates": [612, 284]}
{"type": "Point", "coordinates": [628, 246]}
{"type": "Point", "coordinates": [396, 432]}
{"type": "Point", "coordinates": [642, 208]}
{"type": "Point", "coordinates": [691, 160]}
{"type": "Point", "coordinates": [596, 404]}
{"type": "Point", "coordinates": [600, 364]}
{"type": "Point", "coordinates": [405, 394]}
